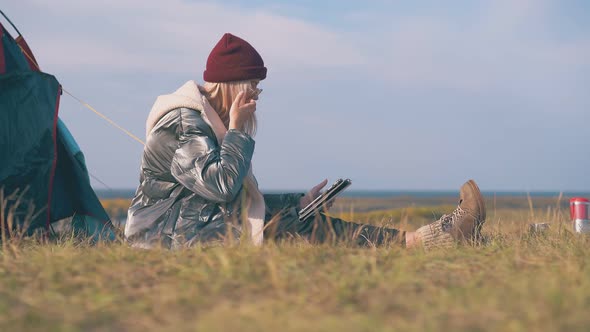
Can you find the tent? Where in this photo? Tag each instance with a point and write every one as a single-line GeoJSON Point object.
{"type": "Point", "coordinates": [40, 161]}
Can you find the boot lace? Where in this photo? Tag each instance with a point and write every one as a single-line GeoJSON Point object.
{"type": "Point", "coordinates": [449, 220]}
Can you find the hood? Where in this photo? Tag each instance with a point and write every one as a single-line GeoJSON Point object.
{"type": "Point", "coordinates": [187, 96]}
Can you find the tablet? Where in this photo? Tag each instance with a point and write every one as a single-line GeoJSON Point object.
{"type": "Point", "coordinates": [323, 199]}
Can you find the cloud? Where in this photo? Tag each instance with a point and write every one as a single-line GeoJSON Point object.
{"type": "Point", "coordinates": [505, 44]}
{"type": "Point", "coordinates": [502, 48]}
{"type": "Point", "coordinates": [175, 35]}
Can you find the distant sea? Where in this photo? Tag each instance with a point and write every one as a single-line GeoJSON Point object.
{"type": "Point", "coordinates": [128, 193]}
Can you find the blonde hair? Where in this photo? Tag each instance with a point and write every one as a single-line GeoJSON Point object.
{"type": "Point", "coordinates": [222, 95]}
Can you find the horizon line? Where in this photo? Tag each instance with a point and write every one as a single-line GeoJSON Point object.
{"type": "Point", "coordinates": [385, 191]}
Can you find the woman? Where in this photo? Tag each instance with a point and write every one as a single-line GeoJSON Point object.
{"type": "Point", "coordinates": [196, 179]}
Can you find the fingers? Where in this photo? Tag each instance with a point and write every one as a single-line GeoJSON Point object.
{"type": "Point", "coordinates": [319, 186]}
{"type": "Point", "coordinates": [251, 106]}
{"type": "Point", "coordinates": [242, 96]}
{"type": "Point", "coordinates": [239, 104]}
{"type": "Point", "coordinates": [237, 101]}
{"type": "Point", "coordinates": [315, 191]}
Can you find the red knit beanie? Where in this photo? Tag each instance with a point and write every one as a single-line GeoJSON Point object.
{"type": "Point", "coordinates": [233, 59]}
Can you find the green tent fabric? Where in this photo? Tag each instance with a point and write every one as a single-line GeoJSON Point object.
{"type": "Point", "coordinates": [38, 155]}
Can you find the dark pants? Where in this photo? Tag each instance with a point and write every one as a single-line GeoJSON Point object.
{"type": "Point", "coordinates": [325, 229]}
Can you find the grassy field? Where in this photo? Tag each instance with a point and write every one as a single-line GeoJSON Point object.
{"type": "Point", "coordinates": [515, 282]}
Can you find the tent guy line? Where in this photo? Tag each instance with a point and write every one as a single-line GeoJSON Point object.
{"type": "Point", "coordinates": [100, 181]}
{"type": "Point", "coordinates": [85, 104]}
{"type": "Point", "coordinates": [111, 122]}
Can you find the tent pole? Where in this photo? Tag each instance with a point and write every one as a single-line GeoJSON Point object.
{"type": "Point", "coordinates": [9, 21]}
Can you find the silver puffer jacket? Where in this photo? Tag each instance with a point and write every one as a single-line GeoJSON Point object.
{"type": "Point", "coordinates": [190, 185]}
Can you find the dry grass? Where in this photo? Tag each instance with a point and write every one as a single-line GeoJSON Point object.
{"type": "Point", "coordinates": [516, 282]}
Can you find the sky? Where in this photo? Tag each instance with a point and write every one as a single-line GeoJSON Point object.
{"type": "Point", "coordinates": [395, 95]}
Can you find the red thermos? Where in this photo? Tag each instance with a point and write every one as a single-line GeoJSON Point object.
{"type": "Point", "coordinates": [579, 207]}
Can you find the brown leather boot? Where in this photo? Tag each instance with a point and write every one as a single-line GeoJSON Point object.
{"type": "Point", "coordinates": [462, 225]}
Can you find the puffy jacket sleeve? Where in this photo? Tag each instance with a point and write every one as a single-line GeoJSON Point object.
{"type": "Point", "coordinates": [287, 204]}
{"type": "Point", "coordinates": [212, 171]}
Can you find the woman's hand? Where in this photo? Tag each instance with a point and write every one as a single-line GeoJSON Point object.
{"type": "Point", "coordinates": [241, 111]}
{"type": "Point", "coordinates": [313, 194]}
